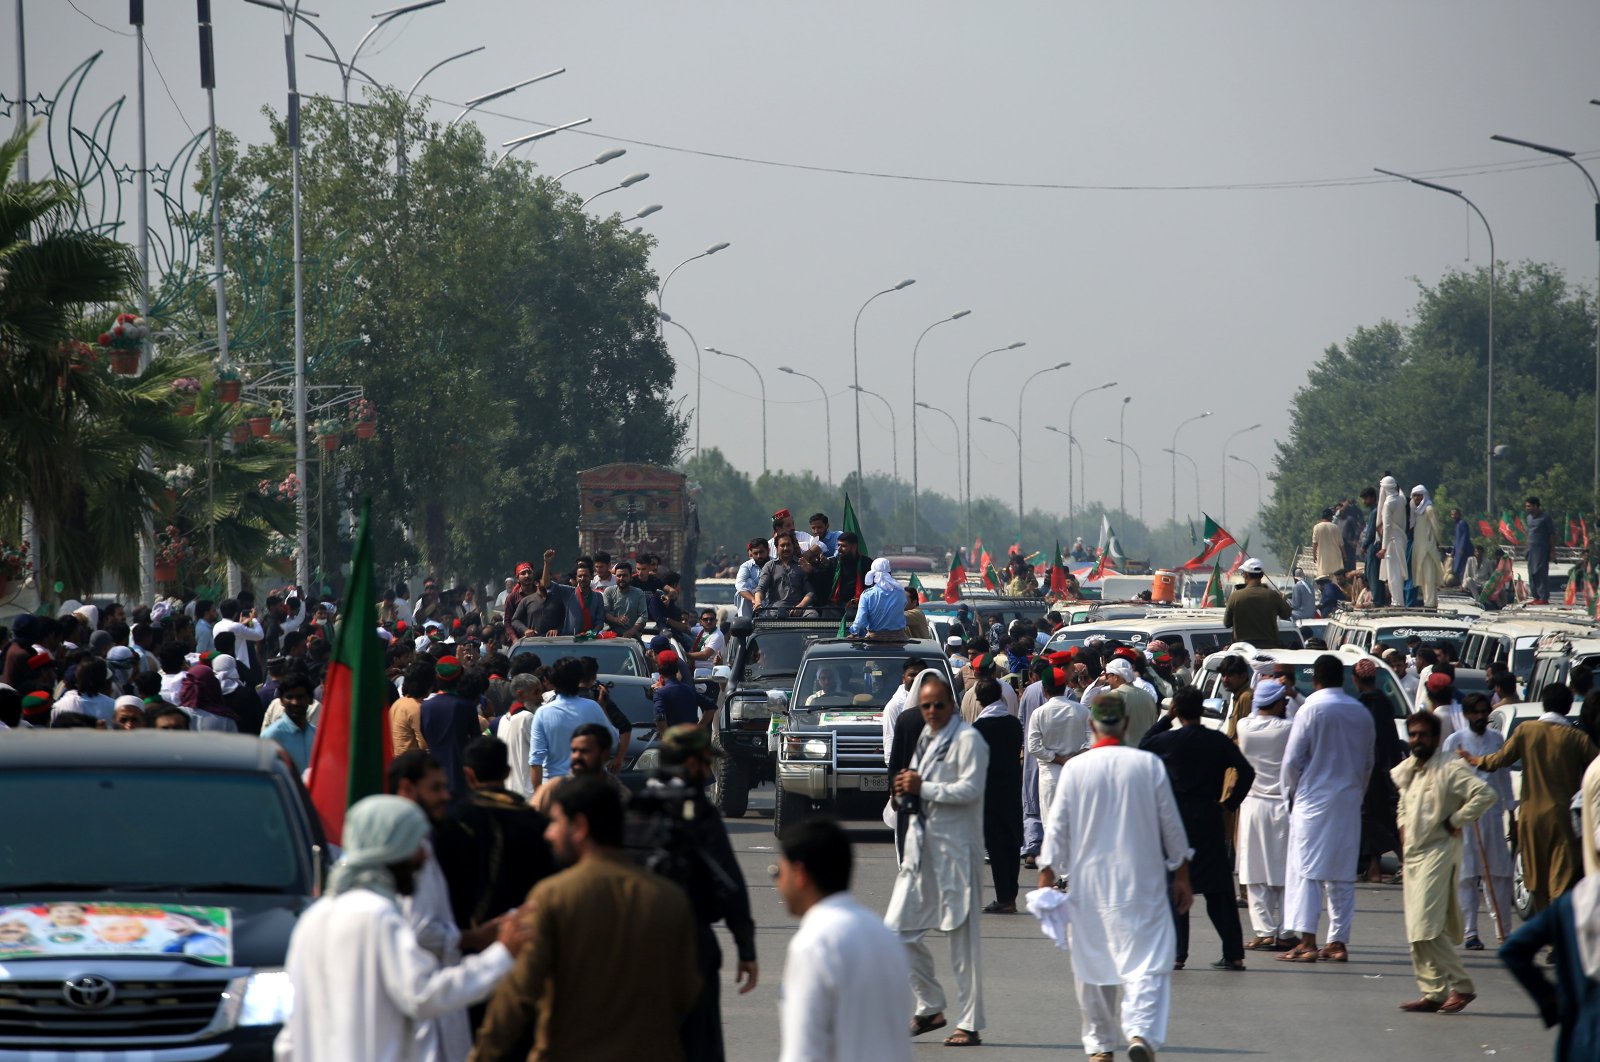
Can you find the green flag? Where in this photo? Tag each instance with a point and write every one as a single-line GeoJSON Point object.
{"type": "Point", "coordinates": [915, 589]}
{"type": "Point", "coordinates": [352, 741]}
{"type": "Point", "coordinates": [1212, 597]}
{"type": "Point", "coordinates": [850, 523]}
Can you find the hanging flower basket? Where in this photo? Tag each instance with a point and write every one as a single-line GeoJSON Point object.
{"type": "Point", "coordinates": [260, 427]}
{"type": "Point", "coordinates": [186, 409]}
{"type": "Point", "coordinates": [228, 391]}
{"type": "Point", "coordinates": [366, 429]}
{"type": "Point", "coordinates": [241, 434]}
{"type": "Point", "coordinates": [125, 362]}
{"type": "Point", "coordinates": [330, 443]}
{"type": "Point", "coordinates": [166, 571]}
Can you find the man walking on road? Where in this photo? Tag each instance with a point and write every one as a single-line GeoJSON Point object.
{"type": "Point", "coordinates": [1002, 794]}
{"type": "Point", "coordinates": [1057, 731]}
{"type": "Point", "coordinates": [846, 982]}
{"type": "Point", "coordinates": [940, 884]}
{"type": "Point", "coordinates": [1325, 768]}
{"type": "Point", "coordinates": [1485, 857]}
{"type": "Point", "coordinates": [1253, 611]}
{"type": "Point", "coordinates": [1115, 832]}
{"type": "Point", "coordinates": [1439, 797]}
{"type": "Point", "coordinates": [1263, 834]}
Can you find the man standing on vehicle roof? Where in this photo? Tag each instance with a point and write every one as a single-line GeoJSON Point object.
{"type": "Point", "coordinates": [1461, 547]}
{"type": "Point", "coordinates": [625, 604]}
{"type": "Point", "coordinates": [783, 588]}
{"type": "Point", "coordinates": [1541, 536]}
{"type": "Point", "coordinates": [828, 540]}
{"type": "Point", "coordinates": [849, 568]}
{"type": "Point", "coordinates": [783, 524]}
{"type": "Point", "coordinates": [748, 576]}
{"type": "Point", "coordinates": [1370, 548]}
{"type": "Point", "coordinates": [881, 614]}
{"type": "Point", "coordinates": [1253, 611]}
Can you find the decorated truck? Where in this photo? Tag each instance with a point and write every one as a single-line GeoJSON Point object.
{"type": "Point", "coordinates": [629, 509]}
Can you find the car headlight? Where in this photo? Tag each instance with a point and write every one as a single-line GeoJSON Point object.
{"type": "Point", "coordinates": [649, 760]}
{"type": "Point", "coordinates": [745, 708]}
{"type": "Point", "coordinates": [267, 998]}
{"type": "Point", "coordinates": [803, 747]}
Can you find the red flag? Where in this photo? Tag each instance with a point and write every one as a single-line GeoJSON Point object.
{"type": "Point", "coordinates": [1058, 572]}
{"type": "Point", "coordinates": [1244, 553]}
{"type": "Point", "coordinates": [352, 745]}
{"type": "Point", "coordinates": [1583, 525]}
{"type": "Point", "coordinates": [956, 579]}
{"type": "Point", "coordinates": [1485, 529]}
{"type": "Point", "coordinates": [1102, 567]}
{"type": "Point", "coordinates": [991, 578]}
{"type": "Point", "coordinates": [914, 586]}
{"type": "Point", "coordinates": [1217, 539]}
{"type": "Point", "coordinates": [1570, 598]}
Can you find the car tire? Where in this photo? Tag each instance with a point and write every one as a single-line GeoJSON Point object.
{"type": "Point", "coordinates": [1521, 898]}
{"type": "Point", "coordinates": [733, 786]}
{"type": "Point", "coordinates": [788, 809]}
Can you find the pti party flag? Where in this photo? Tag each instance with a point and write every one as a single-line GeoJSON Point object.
{"type": "Point", "coordinates": [1212, 597]}
{"type": "Point", "coordinates": [850, 523]}
{"type": "Point", "coordinates": [956, 579]}
{"type": "Point", "coordinates": [1244, 554]}
{"type": "Point", "coordinates": [1058, 572]}
{"type": "Point", "coordinates": [1575, 577]}
{"type": "Point", "coordinates": [1496, 582]}
{"type": "Point", "coordinates": [915, 589]}
{"type": "Point", "coordinates": [1572, 530]}
{"type": "Point", "coordinates": [352, 743]}
{"type": "Point", "coordinates": [1217, 539]}
{"type": "Point", "coordinates": [991, 578]}
{"type": "Point", "coordinates": [1485, 528]}
{"type": "Point", "coordinates": [1109, 546]}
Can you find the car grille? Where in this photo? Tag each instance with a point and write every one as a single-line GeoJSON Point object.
{"type": "Point", "coordinates": [859, 752]}
{"type": "Point", "coordinates": [31, 1010]}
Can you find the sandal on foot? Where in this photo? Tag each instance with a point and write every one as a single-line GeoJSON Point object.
{"type": "Point", "coordinates": [927, 1023]}
{"type": "Point", "coordinates": [963, 1038]}
{"type": "Point", "coordinates": [1260, 944]}
{"type": "Point", "coordinates": [1299, 954]}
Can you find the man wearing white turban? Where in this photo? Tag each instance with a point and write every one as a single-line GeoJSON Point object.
{"type": "Point", "coordinates": [361, 981]}
{"type": "Point", "coordinates": [881, 612]}
{"type": "Point", "coordinates": [1393, 545]}
{"type": "Point", "coordinates": [1427, 570]}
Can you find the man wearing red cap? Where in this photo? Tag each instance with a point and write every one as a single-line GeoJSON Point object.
{"type": "Point", "coordinates": [783, 524]}
{"type": "Point", "coordinates": [1057, 730]}
{"type": "Point", "coordinates": [1440, 689]}
{"type": "Point", "coordinates": [449, 722]}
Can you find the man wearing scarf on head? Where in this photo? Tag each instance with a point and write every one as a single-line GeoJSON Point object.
{"type": "Point", "coordinates": [361, 981]}
{"type": "Point", "coordinates": [881, 612]}
{"type": "Point", "coordinates": [201, 696]}
{"type": "Point", "coordinates": [1394, 528]}
{"type": "Point", "coordinates": [1427, 570]}
{"type": "Point", "coordinates": [940, 882]}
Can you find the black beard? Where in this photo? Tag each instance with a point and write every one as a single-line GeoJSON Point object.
{"type": "Point", "coordinates": [405, 878]}
{"type": "Point", "coordinates": [1422, 755]}
{"type": "Point", "coordinates": [1479, 728]}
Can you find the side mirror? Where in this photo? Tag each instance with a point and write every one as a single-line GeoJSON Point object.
{"type": "Point", "coordinates": [778, 702]}
{"type": "Point", "coordinates": [722, 673]}
{"type": "Point", "coordinates": [1213, 707]}
{"type": "Point", "coordinates": [741, 627]}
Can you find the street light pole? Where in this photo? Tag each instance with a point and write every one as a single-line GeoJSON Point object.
{"type": "Point", "coordinates": [1488, 429]}
{"type": "Point", "coordinates": [382, 18]}
{"type": "Point", "coordinates": [1139, 464]}
{"type": "Point", "coordinates": [1072, 409]}
{"type": "Point", "coordinates": [1193, 467]}
{"type": "Point", "coordinates": [511, 145]}
{"type": "Point", "coordinates": [1021, 393]}
{"type": "Point", "coordinates": [1571, 156]}
{"type": "Point", "coordinates": [855, 363]}
{"type": "Point", "coordinates": [827, 412]}
{"type": "Point", "coordinates": [1257, 471]}
{"type": "Point", "coordinates": [696, 343]}
{"type": "Point", "coordinates": [1122, 458]}
{"type": "Point", "coordinates": [978, 361]}
{"type": "Point", "coordinates": [1018, 436]}
{"type": "Point", "coordinates": [627, 182]}
{"type": "Point", "coordinates": [762, 383]}
{"type": "Point", "coordinates": [1173, 450]}
{"type": "Point", "coordinates": [477, 101]}
{"type": "Point", "coordinates": [956, 430]}
{"type": "Point", "coordinates": [916, 486]}
{"type": "Point", "coordinates": [894, 445]}
{"type": "Point", "coordinates": [713, 249]}
{"type": "Point", "coordinates": [599, 160]}
{"type": "Point", "coordinates": [1226, 443]}
{"type": "Point", "coordinates": [401, 161]}
{"type": "Point", "coordinates": [661, 289]}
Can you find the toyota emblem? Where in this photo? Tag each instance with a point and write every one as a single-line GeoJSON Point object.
{"type": "Point", "coordinates": [89, 993]}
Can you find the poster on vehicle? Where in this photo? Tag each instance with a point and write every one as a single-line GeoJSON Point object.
{"type": "Point", "coordinates": [70, 928]}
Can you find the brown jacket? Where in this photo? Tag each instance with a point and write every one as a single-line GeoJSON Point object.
{"type": "Point", "coordinates": [611, 969]}
{"type": "Point", "coordinates": [1553, 757]}
{"type": "Point", "coordinates": [405, 725]}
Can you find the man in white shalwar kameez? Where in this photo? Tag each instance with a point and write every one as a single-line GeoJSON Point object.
{"type": "Point", "coordinates": [1057, 731]}
{"type": "Point", "coordinates": [1393, 516]}
{"type": "Point", "coordinates": [1485, 855]}
{"type": "Point", "coordinates": [1427, 570]}
{"type": "Point", "coordinates": [1115, 832]}
{"type": "Point", "coordinates": [1263, 837]}
{"type": "Point", "coordinates": [1332, 745]}
{"type": "Point", "coordinates": [362, 983]}
{"type": "Point", "coordinates": [940, 883]}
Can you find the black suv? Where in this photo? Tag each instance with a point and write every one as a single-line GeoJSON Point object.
{"type": "Point", "coordinates": [107, 830]}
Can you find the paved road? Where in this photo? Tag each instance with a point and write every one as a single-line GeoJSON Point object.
{"type": "Point", "coordinates": [1272, 1011]}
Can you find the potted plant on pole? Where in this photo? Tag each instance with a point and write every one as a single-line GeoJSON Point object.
{"type": "Point", "coordinates": [365, 417]}
{"type": "Point", "coordinates": [124, 340]}
{"type": "Point", "coordinates": [187, 388]}
{"type": "Point", "coordinates": [172, 549]}
{"type": "Point", "coordinates": [230, 382]}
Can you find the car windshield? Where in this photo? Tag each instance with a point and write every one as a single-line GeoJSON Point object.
{"type": "Point", "coordinates": [1386, 686]}
{"type": "Point", "coordinates": [1396, 638]}
{"type": "Point", "coordinates": [1522, 657]}
{"type": "Point", "coordinates": [1067, 637]}
{"type": "Point", "coordinates": [715, 594]}
{"type": "Point", "coordinates": [614, 657]}
{"type": "Point", "coordinates": [863, 683]}
{"type": "Point", "coordinates": [635, 702]}
{"type": "Point", "coordinates": [198, 829]}
{"type": "Point", "coordinates": [777, 654]}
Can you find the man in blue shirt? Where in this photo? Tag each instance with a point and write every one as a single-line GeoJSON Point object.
{"type": "Point", "coordinates": [550, 755]}
{"type": "Point", "coordinates": [1541, 536]}
{"type": "Point", "coordinates": [828, 540]}
{"type": "Point", "coordinates": [748, 577]}
{"type": "Point", "coordinates": [882, 610]}
{"type": "Point", "coordinates": [678, 701]}
{"type": "Point", "coordinates": [293, 731]}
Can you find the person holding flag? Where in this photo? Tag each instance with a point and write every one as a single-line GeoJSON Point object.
{"type": "Point", "coordinates": [1253, 610]}
{"type": "Point", "coordinates": [956, 579]}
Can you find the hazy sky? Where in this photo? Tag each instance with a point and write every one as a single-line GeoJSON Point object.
{"type": "Point", "coordinates": [1193, 298]}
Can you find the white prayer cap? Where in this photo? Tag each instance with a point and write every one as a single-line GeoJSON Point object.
{"type": "Point", "coordinates": [1263, 664]}
{"type": "Point", "coordinates": [1267, 694]}
{"type": "Point", "coordinates": [1121, 668]}
{"type": "Point", "coordinates": [128, 700]}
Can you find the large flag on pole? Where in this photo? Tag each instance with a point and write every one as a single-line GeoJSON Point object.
{"type": "Point", "coordinates": [352, 742]}
{"type": "Point", "coordinates": [1058, 572]}
{"type": "Point", "coordinates": [1212, 596]}
{"type": "Point", "coordinates": [1244, 554]}
{"type": "Point", "coordinates": [956, 579]}
{"type": "Point", "coordinates": [914, 588]}
{"type": "Point", "coordinates": [1574, 578]}
{"type": "Point", "coordinates": [850, 523]}
{"type": "Point", "coordinates": [1217, 539]}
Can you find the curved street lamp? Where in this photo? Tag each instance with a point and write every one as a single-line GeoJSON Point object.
{"type": "Point", "coordinates": [1257, 471]}
{"type": "Point", "coordinates": [627, 182]}
{"type": "Point", "coordinates": [1173, 450]}
{"type": "Point", "coordinates": [976, 362]}
{"type": "Point", "coordinates": [1071, 411]}
{"type": "Point", "coordinates": [1193, 467]}
{"type": "Point", "coordinates": [1018, 436]}
{"type": "Point", "coordinates": [382, 18]}
{"type": "Point", "coordinates": [894, 443]}
{"type": "Point", "coordinates": [599, 160]}
{"type": "Point", "coordinates": [696, 343]}
{"type": "Point", "coordinates": [644, 212]}
{"type": "Point", "coordinates": [1227, 443]}
{"type": "Point", "coordinates": [661, 289]}
{"type": "Point", "coordinates": [1022, 393]}
{"type": "Point", "coordinates": [511, 145]}
{"type": "Point", "coordinates": [916, 487]}
{"type": "Point", "coordinates": [855, 361]}
{"type": "Point", "coordinates": [827, 411]}
{"type": "Point", "coordinates": [1072, 445]}
{"type": "Point", "coordinates": [1139, 464]}
{"type": "Point", "coordinates": [762, 383]}
{"type": "Point", "coordinates": [955, 428]}
{"type": "Point", "coordinates": [475, 102]}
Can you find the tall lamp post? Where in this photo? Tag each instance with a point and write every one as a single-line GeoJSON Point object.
{"type": "Point", "coordinates": [661, 289]}
{"type": "Point", "coordinates": [894, 444]}
{"type": "Point", "coordinates": [1072, 409]}
{"type": "Point", "coordinates": [1122, 459]}
{"type": "Point", "coordinates": [477, 101]}
{"type": "Point", "coordinates": [1018, 436]}
{"type": "Point", "coordinates": [1488, 428]}
{"type": "Point", "coordinates": [855, 364]}
{"type": "Point", "coordinates": [956, 430]}
{"type": "Point", "coordinates": [599, 160]}
{"type": "Point", "coordinates": [1571, 156]}
{"type": "Point", "coordinates": [696, 343]}
{"type": "Point", "coordinates": [1173, 450]}
{"type": "Point", "coordinates": [916, 486]}
{"type": "Point", "coordinates": [1257, 471]}
{"type": "Point", "coordinates": [1138, 464]}
{"type": "Point", "coordinates": [762, 383]}
{"type": "Point", "coordinates": [827, 412]}
{"type": "Point", "coordinates": [382, 19]}
{"type": "Point", "coordinates": [1022, 393]}
{"type": "Point", "coordinates": [713, 249]}
{"type": "Point", "coordinates": [511, 145]}
{"type": "Point", "coordinates": [976, 362]}
{"type": "Point", "coordinates": [627, 182]}
{"type": "Point", "coordinates": [1193, 467]}
{"type": "Point", "coordinates": [1227, 443]}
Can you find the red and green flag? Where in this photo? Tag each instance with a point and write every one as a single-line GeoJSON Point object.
{"type": "Point", "coordinates": [1102, 567]}
{"type": "Point", "coordinates": [1511, 528]}
{"type": "Point", "coordinates": [850, 523]}
{"type": "Point", "coordinates": [1058, 572]}
{"type": "Point", "coordinates": [1574, 580]}
{"type": "Point", "coordinates": [1572, 530]}
{"type": "Point", "coordinates": [1496, 582]}
{"type": "Point", "coordinates": [1244, 554]}
{"type": "Point", "coordinates": [1485, 528]}
{"type": "Point", "coordinates": [991, 578]}
{"type": "Point", "coordinates": [1212, 597]}
{"type": "Point", "coordinates": [1217, 539]}
{"type": "Point", "coordinates": [956, 579]}
{"type": "Point", "coordinates": [352, 745]}
{"type": "Point", "coordinates": [915, 588]}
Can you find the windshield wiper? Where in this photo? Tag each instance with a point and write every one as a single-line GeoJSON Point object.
{"type": "Point", "coordinates": [200, 886]}
{"type": "Point", "coordinates": [54, 886]}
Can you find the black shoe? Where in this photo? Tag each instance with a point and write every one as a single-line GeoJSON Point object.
{"type": "Point", "coordinates": [1236, 965]}
{"type": "Point", "coordinates": [1473, 944]}
{"type": "Point", "coordinates": [1000, 908]}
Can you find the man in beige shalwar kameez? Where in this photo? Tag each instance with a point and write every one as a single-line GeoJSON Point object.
{"type": "Point", "coordinates": [1439, 797]}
